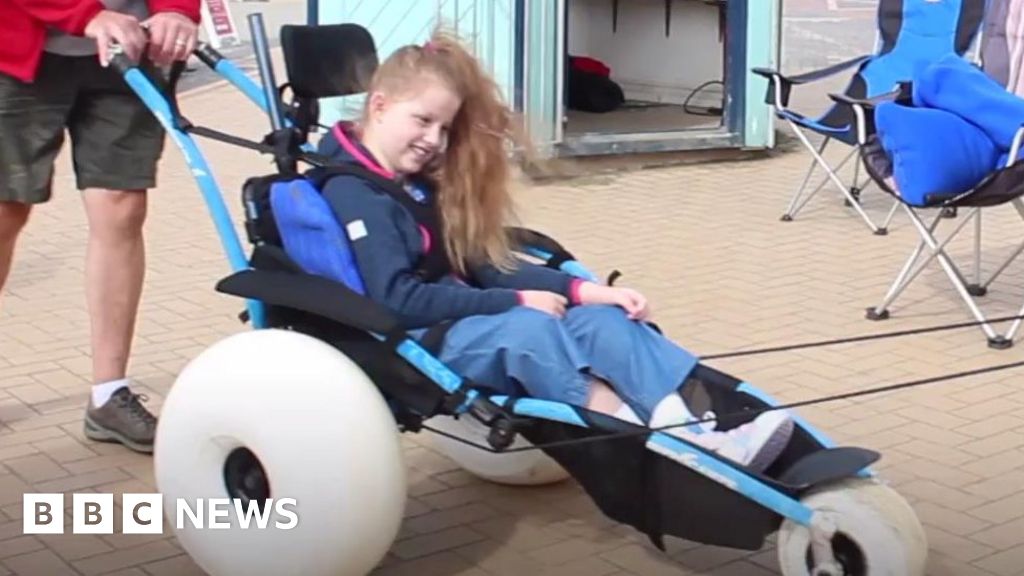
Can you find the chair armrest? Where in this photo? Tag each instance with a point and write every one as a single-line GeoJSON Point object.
{"type": "Point", "coordinates": [864, 107]}
{"type": "Point", "coordinates": [549, 250]}
{"type": "Point", "coordinates": [902, 93]}
{"type": "Point", "coordinates": [780, 85]}
{"type": "Point", "coordinates": [314, 295]}
{"type": "Point", "coordinates": [527, 238]}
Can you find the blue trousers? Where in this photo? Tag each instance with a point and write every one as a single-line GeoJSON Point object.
{"type": "Point", "coordinates": [527, 352]}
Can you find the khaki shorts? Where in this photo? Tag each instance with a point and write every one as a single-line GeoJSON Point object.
{"type": "Point", "coordinates": [116, 141]}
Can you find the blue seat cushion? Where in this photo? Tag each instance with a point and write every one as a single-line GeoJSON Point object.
{"type": "Point", "coordinates": [312, 235]}
{"type": "Point", "coordinates": [934, 153]}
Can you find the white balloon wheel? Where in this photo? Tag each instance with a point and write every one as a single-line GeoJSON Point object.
{"type": "Point", "coordinates": [878, 532]}
{"type": "Point", "coordinates": [525, 468]}
{"type": "Point", "coordinates": [278, 413]}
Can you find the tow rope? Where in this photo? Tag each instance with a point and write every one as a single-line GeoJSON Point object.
{"type": "Point", "coordinates": [644, 431]}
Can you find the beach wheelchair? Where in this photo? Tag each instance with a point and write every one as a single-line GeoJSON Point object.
{"type": "Point", "coordinates": [309, 404]}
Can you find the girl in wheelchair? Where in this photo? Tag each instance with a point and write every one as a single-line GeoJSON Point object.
{"type": "Point", "coordinates": [436, 252]}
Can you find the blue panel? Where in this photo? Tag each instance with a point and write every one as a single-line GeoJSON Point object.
{"type": "Point", "coordinates": [928, 31]}
{"type": "Point", "coordinates": [312, 235]}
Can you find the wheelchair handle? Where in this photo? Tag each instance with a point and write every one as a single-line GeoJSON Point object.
{"type": "Point", "coordinates": [119, 60]}
{"type": "Point", "coordinates": [208, 55]}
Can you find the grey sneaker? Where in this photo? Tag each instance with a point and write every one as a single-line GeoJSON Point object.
{"type": "Point", "coordinates": [122, 419]}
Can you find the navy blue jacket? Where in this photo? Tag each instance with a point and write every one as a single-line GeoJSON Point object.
{"type": "Point", "coordinates": [387, 242]}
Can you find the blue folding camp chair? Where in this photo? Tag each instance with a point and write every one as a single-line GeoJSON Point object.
{"type": "Point", "coordinates": [911, 34]}
{"type": "Point", "coordinates": [950, 138]}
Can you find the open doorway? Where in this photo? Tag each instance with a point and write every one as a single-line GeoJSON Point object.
{"type": "Point", "coordinates": [644, 66]}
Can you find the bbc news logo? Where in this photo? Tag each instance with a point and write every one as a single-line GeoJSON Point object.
{"type": "Point", "coordinates": [144, 514]}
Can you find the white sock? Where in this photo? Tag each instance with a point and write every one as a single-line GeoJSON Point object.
{"type": "Point", "coordinates": [626, 413]}
{"type": "Point", "coordinates": [102, 392]}
{"type": "Point", "coordinates": [672, 410]}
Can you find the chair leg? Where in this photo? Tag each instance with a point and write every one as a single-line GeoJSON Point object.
{"type": "Point", "coordinates": [983, 287]}
{"type": "Point", "coordinates": [954, 275]}
{"type": "Point", "coordinates": [856, 189]}
{"type": "Point", "coordinates": [892, 213]}
{"type": "Point", "coordinates": [909, 272]}
{"type": "Point", "coordinates": [794, 207]}
{"type": "Point", "coordinates": [793, 204]}
{"type": "Point", "coordinates": [835, 178]}
{"type": "Point", "coordinates": [975, 288]}
{"type": "Point", "coordinates": [903, 279]}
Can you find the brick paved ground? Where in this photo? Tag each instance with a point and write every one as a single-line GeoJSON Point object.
{"type": "Point", "coordinates": [704, 242]}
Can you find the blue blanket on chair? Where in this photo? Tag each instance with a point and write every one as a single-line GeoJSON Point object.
{"type": "Point", "coordinates": [959, 129]}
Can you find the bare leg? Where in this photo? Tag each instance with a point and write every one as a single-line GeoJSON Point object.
{"type": "Point", "coordinates": [115, 269]}
{"type": "Point", "coordinates": [13, 217]}
{"type": "Point", "coordinates": [602, 398]}
{"type": "Point", "coordinates": [605, 400]}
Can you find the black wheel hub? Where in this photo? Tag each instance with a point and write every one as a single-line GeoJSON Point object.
{"type": "Point", "coordinates": [245, 478]}
{"type": "Point", "coordinates": [847, 553]}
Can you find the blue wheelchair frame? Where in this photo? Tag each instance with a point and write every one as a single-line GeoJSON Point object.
{"type": "Point", "coordinates": [659, 442]}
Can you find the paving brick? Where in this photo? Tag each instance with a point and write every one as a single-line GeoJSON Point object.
{"type": "Point", "coordinates": [427, 544]}
{"type": "Point", "coordinates": [36, 468]}
{"type": "Point", "coordinates": [125, 558]}
{"type": "Point", "coordinates": [33, 393]}
{"type": "Point", "coordinates": [637, 559]}
{"type": "Point", "coordinates": [588, 566]}
{"type": "Point", "coordinates": [517, 534]}
{"type": "Point", "coordinates": [443, 519]}
{"type": "Point", "coordinates": [64, 450]}
{"type": "Point", "coordinates": [940, 565]}
{"type": "Point", "coordinates": [956, 547]}
{"type": "Point", "coordinates": [81, 481]}
{"type": "Point", "coordinates": [43, 562]}
{"type": "Point", "coordinates": [568, 550]}
{"type": "Point", "coordinates": [11, 490]}
{"type": "Point", "coordinates": [72, 547]}
{"type": "Point", "coordinates": [180, 565]}
{"type": "Point", "coordinates": [495, 558]}
{"type": "Point", "coordinates": [433, 565]}
{"type": "Point", "coordinates": [48, 421]}
{"type": "Point", "coordinates": [17, 546]}
{"type": "Point", "coordinates": [127, 572]}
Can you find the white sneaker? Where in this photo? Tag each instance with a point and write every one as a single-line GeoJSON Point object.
{"type": "Point", "coordinates": [755, 445]}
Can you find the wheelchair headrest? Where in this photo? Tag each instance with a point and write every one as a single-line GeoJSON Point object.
{"type": "Point", "coordinates": [328, 61]}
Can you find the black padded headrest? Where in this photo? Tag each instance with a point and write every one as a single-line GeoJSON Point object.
{"type": "Point", "coordinates": [328, 61]}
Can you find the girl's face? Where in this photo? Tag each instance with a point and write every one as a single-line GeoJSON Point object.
{"type": "Point", "coordinates": [408, 133]}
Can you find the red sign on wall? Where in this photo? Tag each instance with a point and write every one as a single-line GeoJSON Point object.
{"type": "Point", "coordinates": [219, 24]}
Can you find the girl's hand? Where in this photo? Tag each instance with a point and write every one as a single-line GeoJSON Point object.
{"type": "Point", "coordinates": [549, 302]}
{"type": "Point", "coordinates": [634, 303]}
